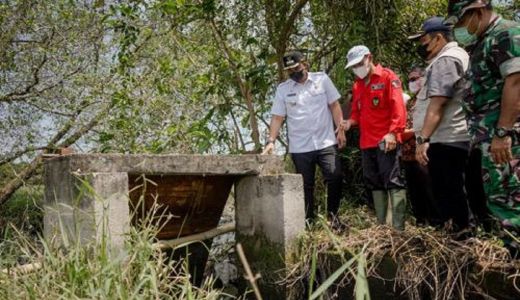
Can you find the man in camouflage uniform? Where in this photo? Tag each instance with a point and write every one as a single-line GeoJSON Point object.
{"type": "Point", "coordinates": [493, 104]}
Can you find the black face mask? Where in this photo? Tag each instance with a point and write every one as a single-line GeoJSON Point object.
{"type": "Point", "coordinates": [423, 52]}
{"type": "Point", "coordinates": [297, 76]}
{"type": "Point", "coordinates": [422, 49]}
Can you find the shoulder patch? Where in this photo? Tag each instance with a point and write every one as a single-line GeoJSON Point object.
{"type": "Point", "coordinates": [396, 83]}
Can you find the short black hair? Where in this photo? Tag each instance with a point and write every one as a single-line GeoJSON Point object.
{"type": "Point", "coordinates": [447, 35]}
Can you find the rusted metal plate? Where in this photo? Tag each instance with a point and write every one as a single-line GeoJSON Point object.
{"type": "Point", "coordinates": [196, 202]}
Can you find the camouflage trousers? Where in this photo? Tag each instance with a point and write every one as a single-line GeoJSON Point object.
{"type": "Point", "coordinates": [502, 186]}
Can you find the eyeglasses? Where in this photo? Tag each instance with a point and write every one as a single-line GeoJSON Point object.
{"type": "Point", "coordinates": [413, 79]}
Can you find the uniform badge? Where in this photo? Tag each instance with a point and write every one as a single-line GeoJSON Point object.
{"type": "Point", "coordinates": [375, 101]}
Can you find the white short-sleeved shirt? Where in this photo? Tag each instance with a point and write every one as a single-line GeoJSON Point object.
{"type": "Point", "coordinates": [306, 108]}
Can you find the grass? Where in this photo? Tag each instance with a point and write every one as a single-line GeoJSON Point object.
{"type": "Point", "coordinates": [325, 260]}
{"type": "Point", "coordinates": [417, 263]}
{"type": "Point", "coordinates": [24, 211]}
{"type": "Point", "coordinates": [89, 271]}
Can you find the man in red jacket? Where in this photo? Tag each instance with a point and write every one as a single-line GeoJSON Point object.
{"type": "Point", "coordinates": [379, 111]}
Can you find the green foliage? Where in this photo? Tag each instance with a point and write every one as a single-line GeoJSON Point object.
{"type": "Point", "coordinates": [24, 211]}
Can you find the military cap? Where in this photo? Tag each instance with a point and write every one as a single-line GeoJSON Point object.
{"type": "Point", "coordinates": [457, 9]}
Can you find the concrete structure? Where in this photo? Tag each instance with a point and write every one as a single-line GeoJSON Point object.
{"type": "Point", "coordinates": [269, 217]}
{"type": "Point", "coordinates": [88, 194]}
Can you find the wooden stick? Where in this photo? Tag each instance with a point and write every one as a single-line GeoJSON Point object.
{"type": "Point", "coordinates": [171, 244]}
{"type": "Point", "coordinates": [249, 274]}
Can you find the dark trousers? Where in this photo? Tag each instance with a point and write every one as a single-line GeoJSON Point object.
{"type": "Point", "coordinates": [475, 190]}
{"type": "Point", "coordinates": [420, 192]}
{"type": "Point", "coordinates": [330, 165]}
{"type": "Point", "coordinates": [446, 166]}
{"type": "Point", "coordinates": [381, 170]}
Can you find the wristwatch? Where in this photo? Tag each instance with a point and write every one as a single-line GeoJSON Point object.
{"type": "Point", "coordinates": [502, 132]}
{"type": "Point", "coordinates": [421, 140]}
{"type": "Point", "coordinates": [269, 141]}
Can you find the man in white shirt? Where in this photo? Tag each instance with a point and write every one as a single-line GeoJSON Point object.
{"type": "Point", "coordinates": [309, 102]}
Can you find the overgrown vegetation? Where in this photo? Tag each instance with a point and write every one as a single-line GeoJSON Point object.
{"type": "Point", "coordinates": [171, 76]}
{"type": "Point", "coordinates": [140, 271]}
{"type": "Point", "coordinates": [418, 263]}
{"type": "Point", "coordinates": [193, 76]}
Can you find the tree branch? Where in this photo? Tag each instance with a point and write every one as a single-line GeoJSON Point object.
{"type": "Point", "coordinates": [17, 154]}
{"type": "Point", "coordinates": [14, 184]}
{"type": "Point", "coordinates": [18, 95]}
{"type": "Point", "coordinates": [244, 89]}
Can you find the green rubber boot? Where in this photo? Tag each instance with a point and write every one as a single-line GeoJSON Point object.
{"type": "Point", "coordinates": [398, 198]}
{"type": "Point", "coordinates": [381, 205]}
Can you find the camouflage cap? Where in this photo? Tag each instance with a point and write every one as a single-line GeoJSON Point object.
{"type": "Point", "coordinates": [457, 9]}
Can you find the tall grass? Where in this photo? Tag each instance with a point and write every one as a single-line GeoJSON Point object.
{"type": "Point", "coordinates": [79, 272]}
{"type": "Point", "coordinates": [88, 271]}
{"type": "Point", "coordinates": [137, 271]}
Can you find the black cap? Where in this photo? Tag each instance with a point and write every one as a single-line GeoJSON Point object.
{"type": "Point", "coordinates": [292, 60]}
{"type": "Point", "coordinates": [433, 24]}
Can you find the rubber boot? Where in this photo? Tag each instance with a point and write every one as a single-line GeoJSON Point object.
{"type": "Point", "coordinates": [398, 198]}
{"type": "Point", "coordinates": [381, 205]}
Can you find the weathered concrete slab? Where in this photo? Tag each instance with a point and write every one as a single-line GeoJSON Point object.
{"type": "Point", "coordinates": [87, 207]}
{"type": "Point", "coordinates": [169, 164]}
{"type": "Point", "coordinates": [270, 215]}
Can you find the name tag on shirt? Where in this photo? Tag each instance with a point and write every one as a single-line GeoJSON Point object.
{"type": "Point", "coordinates": [291, 95]}
{"type": "Point", "coordinates": [377, 87]}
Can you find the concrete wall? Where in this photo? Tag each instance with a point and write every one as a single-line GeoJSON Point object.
{"type": "Point", "coordinates": [270, 215]}
{"type": "Point", "coordinates": [86, 207]}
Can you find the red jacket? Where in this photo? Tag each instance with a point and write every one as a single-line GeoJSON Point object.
{"type": "Point", "coordinates": [378, 107]}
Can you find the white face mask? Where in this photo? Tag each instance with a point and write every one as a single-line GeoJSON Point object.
{"type": "Point", "coordinates": [415, 86]}
{"type": "Point", "coordinates": [362, 71]}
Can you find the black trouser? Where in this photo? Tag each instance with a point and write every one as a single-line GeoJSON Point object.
{"type": "Point", "coordinates": [475, 189]}
{"type": "Point", "coordinates": [381, 170]}
{"type": "Point", "coordinates": [446, 166]}
{"type": "Point", "coordinates": [330, 165]}
{"type": "Point", "coordinates": [420, 192]}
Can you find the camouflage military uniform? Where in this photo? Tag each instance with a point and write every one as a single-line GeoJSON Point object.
{"type": "Point", "coordinates": [494, 57]}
